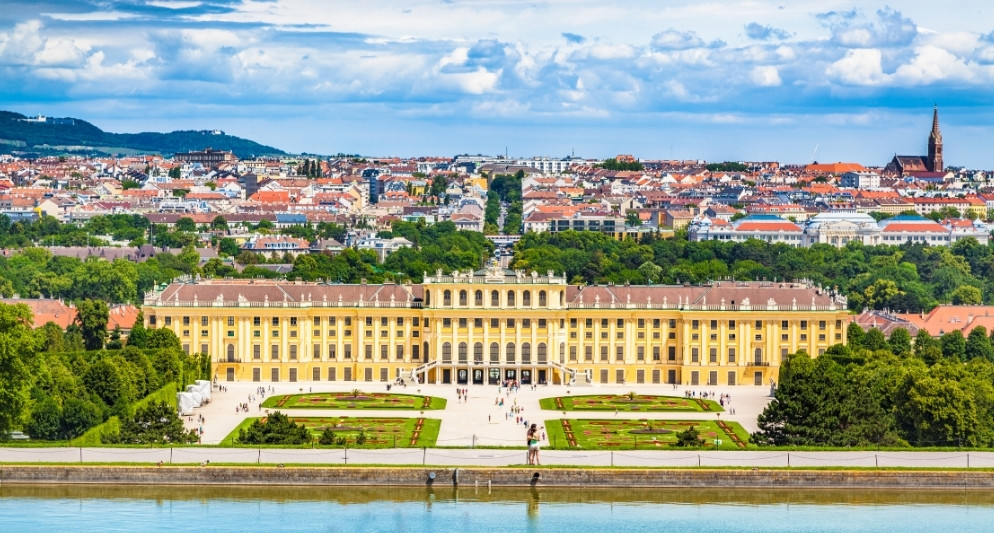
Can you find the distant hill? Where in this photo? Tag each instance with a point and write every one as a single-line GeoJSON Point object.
{"type": "Point", "coordinates": [36, 136]}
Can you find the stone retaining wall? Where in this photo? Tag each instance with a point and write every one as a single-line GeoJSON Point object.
{"type": "Point", "coordinates": [548, 477]}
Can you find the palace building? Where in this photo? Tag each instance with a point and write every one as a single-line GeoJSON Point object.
{"type": "Point", "coordinates": [492, 325]}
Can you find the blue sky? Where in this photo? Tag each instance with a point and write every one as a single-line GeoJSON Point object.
{"type": "Point", "coordinates": [688, 79]}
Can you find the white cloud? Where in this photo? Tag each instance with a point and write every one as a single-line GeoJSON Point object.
{"type": "Point", "coordinates": [858, 67]}
{"type": "Point", "coordinates": [855, 37]}
{"type": "Point", "coordinates": [479, 82]}
{"type": "Point", "coordinates": [20, 45]}
{"type": "Point", "coordinates": [672, 39]}
{"type": "Point", "coordinates": [932, 64]}
{"type": "Point", "coordinates": [174, 5]}
{"type": "Point", "coordinates": [767, 76]}
{"type": "Point", "coordinates": [785, 53]}
{"type": "Point", "coordinates": [60, 52]}
{"type": "Point", "coordinates": [603, 52]}
{"type": "Point", "coordinates": [93, 16]}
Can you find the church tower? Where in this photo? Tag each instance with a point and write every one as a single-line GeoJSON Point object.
{"type": "Point", "coordinates": [935, 144]}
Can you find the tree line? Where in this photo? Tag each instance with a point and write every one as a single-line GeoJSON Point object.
{"type": "Point", "coordinates": [886, 392]}
{"type": "Point", "coordinates": [907, 277]}
{"type": "Point", "coordinates": [55, 389]}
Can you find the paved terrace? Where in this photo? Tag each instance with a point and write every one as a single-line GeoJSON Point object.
{"type": "Point", "coordinates": [473, 422]}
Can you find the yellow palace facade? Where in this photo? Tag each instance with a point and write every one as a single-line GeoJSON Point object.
{"type": "Point", "coordinates": [495, 325]}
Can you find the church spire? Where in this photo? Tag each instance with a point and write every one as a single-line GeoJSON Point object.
{"type": "Point", "coordinates": [935, 144]}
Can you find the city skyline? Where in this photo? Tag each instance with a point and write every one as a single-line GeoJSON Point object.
{"type": "Point", "coordinates": [826, 81]}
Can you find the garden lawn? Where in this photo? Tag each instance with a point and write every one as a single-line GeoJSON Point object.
{"type": "Point", "coordinates": [348, 400]}
{"type": "Point", "coordinates": [609, 434]}
{"type": "Point", "coordinates": [626, 402]}
{"type": "Point", "coordinates": [379, 432]}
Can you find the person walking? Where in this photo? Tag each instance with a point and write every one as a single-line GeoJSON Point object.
{"type": "Point", "coordinates": [533, 445]}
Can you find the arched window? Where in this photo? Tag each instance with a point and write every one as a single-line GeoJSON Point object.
{"type": "Point", "coordinates": [494, 299]}
{"type": "Point", "coordinates": [447, 298]}
{"type": "Point", "coordinates": [542, 357]}
{"type": "Point", "coordinates": [478, 299]}
{"type": "Point", "coordinates": [494, 352]}
{"type": "Point", "coordinates": [427, 298]}
{"type": "Point", "coordinates": [478, 353]}
{"type": "Point", "coordinates": [231, 353]}
{"type": "Point", "coordinates": [510, 298]}
{"type": "Point", "coordinates": [562, 299]}
{"type": "Point", "coordinates": [526, 299]}
{"type": "Point", "coordinates": [462, 299]}
{"type": "Point", "coordinates": [541, 299]}
{"type": "Point", "coordinates": [462, 352]}
{"type": "Point", "coordinates": [758, 355]}
{"type": "Point", "coordinates": [526, 353]}
{"type": "Point", "coordinates": [509, 352]}
{"type": "Point", "coordinates": [447, 352]}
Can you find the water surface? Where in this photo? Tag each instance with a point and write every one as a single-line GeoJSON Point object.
{"type": "Point", "coordinates": [475, 509]}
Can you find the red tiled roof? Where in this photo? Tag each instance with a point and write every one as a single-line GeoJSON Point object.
{"type": "Point", "coordinates": [914, 227]}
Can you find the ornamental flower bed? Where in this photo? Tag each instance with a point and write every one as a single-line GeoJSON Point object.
{"type": "Point", "coordinates": [629, 402]}
{"type": "Point", "coordinates": [352, 400]}
{"type": "Point", "coordinates": [641, 434]}
{"type": "Point", "coordinates": [366, 432]}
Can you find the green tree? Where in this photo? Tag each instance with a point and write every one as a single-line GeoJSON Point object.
{"type": "Point", "coordinates": [45, 420]}
{"type": "Point", "coordinates": [227, 246]}
{"type": "Point", "coordinates": [927, 348]}
{"type": "Point", "coordinates": [978, 345]}
{"type": "Point", "coordinates": [190, 258]}
{"type": "Point", "coordinates": [689, 438]}
{"type": "Point", "coordinates": [219, 224]}
{"type": "Point", "coordinates": [936, 411]}
{"type": "Point", "coordinates": [900, 342]}
{"type": "Point", "coordinates": [855, 335]}
{"type": "Point", "coordinates": [163, 338]}
{"type": "Point", "coordinates": [139, 335]}
{"type": "Point", "coordinates": [156, 423]}
{"type": "Point", "coordinates": [953, 345]}
{"type": "Point", "coordinates": [186, 224]}
{"type": "Point", "coordinates": [18, 345]}
{"type": "Point", "coordinates": [109, 382]}
{"type": "Point", "coordinates": [874, 340]}
{"type": "Point", "coordinates": [91, 316]}
{"type": "Point", "coordinates": [52, 337]}
{"type": "Point", "coordinates": [78, 415]}
{"type": "Point", "coordinates": [967, 295]}
{"type": "Point", "coordinates": [115, 342]}
{"type": "Point", "coordinates": [277, 428]}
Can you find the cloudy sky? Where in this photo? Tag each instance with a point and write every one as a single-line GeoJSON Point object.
{"type": "Point", "coordinates": [690, 79]}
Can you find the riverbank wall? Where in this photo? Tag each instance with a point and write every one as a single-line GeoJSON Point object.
{"type": "Point", "coordinates": [499, 477]}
